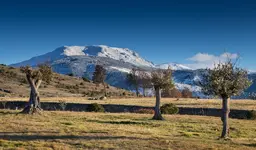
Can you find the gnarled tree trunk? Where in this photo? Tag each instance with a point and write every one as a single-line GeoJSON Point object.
{"type": "Point", "coordinates": [224, 117]}
{"type": "Point", "coordinates": [158, 115]}
{"type": "Point", "coordinates": [33, 105]}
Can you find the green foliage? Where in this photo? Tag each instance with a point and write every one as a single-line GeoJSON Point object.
{"type": "Point", "coordinates": [63, 104]}
{"type": "Point", "coordinates": [251, 115]}
{"type": "Point", "coordinates": [162, 78]}
{"type": "Point", "coordinates": [46, 71]}
{"type": "Point", "coordinates": [86, 79]}
{"type": "Point", "coordinates": [95, 108]}
{"type": "Point", "coordinates": [70, 74]}
{"type": "Point", "coordinates": [169, 109]}
{"type": "Point", "coordinates": [225, 80]}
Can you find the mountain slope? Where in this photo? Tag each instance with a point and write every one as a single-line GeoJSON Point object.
{"type": "Point", "coordinates": [81, 61]}
{"type": "Point", "coordinates": [121, 54]}
{"type": "Point", "coordinates": [13, 84]}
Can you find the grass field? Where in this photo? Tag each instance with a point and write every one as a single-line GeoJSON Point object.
{"type": "Point", "coordinates": [80, 130]}
{"type": "Point", "coordinates": [200, 103]}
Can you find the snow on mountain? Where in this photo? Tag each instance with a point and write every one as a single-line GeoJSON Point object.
{"type": "Point", "coordinates": [173, 66]}
{"type": "Point", "coordinates": [81, 61]}
{"type": "Point", "coordinates": [121, 54]}
{"type": "Point", "coordinates": [73, 51]}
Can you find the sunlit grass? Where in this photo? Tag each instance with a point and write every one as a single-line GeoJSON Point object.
{"type": "Point", "coordinates": [80, 130]}
{"type": "Point", "coordinates": [198, 103]}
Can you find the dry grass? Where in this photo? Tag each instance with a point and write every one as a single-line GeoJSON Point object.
{"type": "Point", "coordinates": [13, 80]}
{"type": "Point", "coordinates": [80, 130]}
{"type": "Point", "coordinates": [200, 103]}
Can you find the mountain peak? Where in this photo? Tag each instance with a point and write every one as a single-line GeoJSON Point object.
{"type": "Point", "coordinates": [121, 54]}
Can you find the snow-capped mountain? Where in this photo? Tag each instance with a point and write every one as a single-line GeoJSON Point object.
{"type": "Point", "coordinates": [121, 54]}
{"type": "Point", "coordinates": [81, 61]}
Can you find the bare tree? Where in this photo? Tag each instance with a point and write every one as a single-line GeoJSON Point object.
{"type": "Point", "coordinates": [99, 77]}
{"type": "Point", "coordinates": [160, 79]}
{"type": "Point", "coordinates": [186, 93]}
{"type": "Point", "coordinates": [144, 81]}
{"type": "Point", "coordinates": [133, 79]}
{"type": "Point", "coordinates": [172, 93]}
{"type": "Point", "coordinates": [225, 80]}
{"type": "Point", "coordinates": [35, 78]}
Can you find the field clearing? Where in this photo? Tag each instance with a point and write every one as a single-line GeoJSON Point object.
{"type": "Point", "coordinates": [80, 130]}
{"type": "Point", "coordinates": [182, 102]}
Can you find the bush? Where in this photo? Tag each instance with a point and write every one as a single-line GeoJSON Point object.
{"type": "Point", "coordinates": [63, 104]}
{"type": "Point", "coordinates": [169, 109]}
{"type": "Point", "coordinates": [251, 115]}
{"type": "Point", "coordinates": [70, 74]}
{"type": "Point", "coordinates": [95, 108]}
{"type": "Point", "coordinates": [144, 111]}
{"type": "Point", "coordinates": [86, 79]}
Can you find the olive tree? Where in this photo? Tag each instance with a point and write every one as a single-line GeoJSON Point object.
{"type": "Point", "coordinates": [225, 80]}
{"type": "Point", "coordinates": [35, 78]}
{"type": "Point", "coordinates": [160, 79]}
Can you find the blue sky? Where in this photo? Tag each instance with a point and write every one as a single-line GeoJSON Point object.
{"type": "Point", "coordinates": [161, 31]}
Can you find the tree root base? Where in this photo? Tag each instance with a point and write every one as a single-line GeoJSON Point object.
{"type": "Point", "coordinates": [31, 110]}
{"type": "Point", "coordinates": [158, 118]}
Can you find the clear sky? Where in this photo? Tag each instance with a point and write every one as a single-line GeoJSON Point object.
{"type": "Point", "coordinates": [161, 31]}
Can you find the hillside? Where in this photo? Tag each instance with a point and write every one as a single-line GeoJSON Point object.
{"type": "Point", "coordinates": [81, 61]}
{"type": "Point", "coordinates": [13, 84]}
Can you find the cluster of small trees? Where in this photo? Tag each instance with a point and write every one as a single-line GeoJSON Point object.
{"type": "Point", "coordinates": [175, 93]}
{"type": "Point", "coordinates": [139, 79]}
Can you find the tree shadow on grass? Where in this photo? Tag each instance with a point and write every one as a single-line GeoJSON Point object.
{"type": "Point", "coordinates": [8, 113]}
{"type": "Point", "coordinates": [120, 122]}
{"type": "Point", "coordinates": [14, 137]}
{"type": "Point", "coordinates": [250, 145]}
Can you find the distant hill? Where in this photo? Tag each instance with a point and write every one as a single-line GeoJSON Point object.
{"type": "Point", "coordinates": [81, 61]}
{"type": "Point", "coordinates": [13, 83]}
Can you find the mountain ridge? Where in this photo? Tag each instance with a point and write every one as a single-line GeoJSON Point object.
{"type": "Point", "coordinates": [81, 61]}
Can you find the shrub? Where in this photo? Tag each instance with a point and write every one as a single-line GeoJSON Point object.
{"type": "Point", "coordinates": [169, 109]}
{"type": "Point", "coordinates": [70, 74]}
{"type": "Point", "coordinates": [103, 98]}
{"type": "Point", "coordinates": [251, 115]}
{"type": "Point", "coordinates": [86, 79]}
{"type": "Point", "coordinates": [63, 104]}
{"type": "Point", "coordinates": [95, 108]}
{"type": "Point", "coordinates": [144, 111]}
